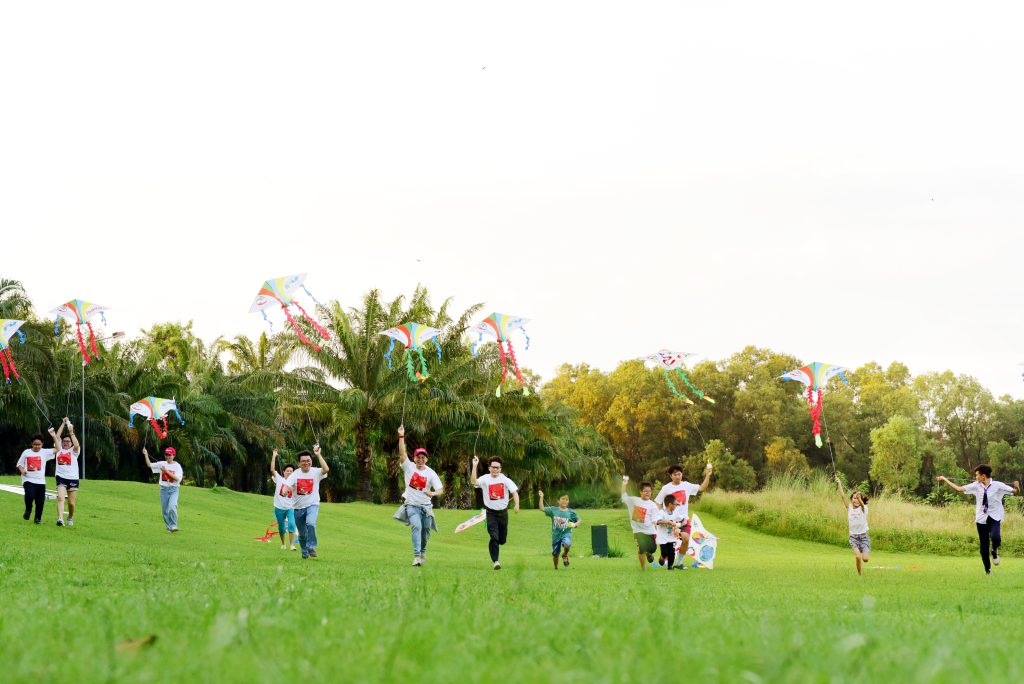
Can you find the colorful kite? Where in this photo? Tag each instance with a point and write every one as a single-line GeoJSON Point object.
{"type": "Point", "coordinates": [703, 546]}
{"type": "Point", "coordinates": [153, 409]}
{"type": "Point", "coordinates": [673, 361]}
{"type": "Point", "coordinates": [281, 292]}
{"type": "Point", "coordinates": [79, 311]}
{"type": "Point", "coordinates": [8, 327]}
{"type": "Point", "coordinates": [816, 376]}
{"type": "Point", "coordinates": [475, 520]}
{"type": "Point", "coordinates": [413, 337]}
{"type": "Point", "coordinates": [500, 327]}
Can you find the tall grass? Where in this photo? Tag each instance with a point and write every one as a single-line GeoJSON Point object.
{"type": "Point", "coordinates": [811, 510]}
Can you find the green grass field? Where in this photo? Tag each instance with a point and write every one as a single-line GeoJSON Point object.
{"type": "Point", "coordinates": [224, 607]}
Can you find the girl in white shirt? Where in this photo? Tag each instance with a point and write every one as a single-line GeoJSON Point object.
{"type": "Point", "coordinates": [857, 515]}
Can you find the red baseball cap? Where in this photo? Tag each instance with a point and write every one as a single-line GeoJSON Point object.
{"type": "Point", "coordinates": [419, 451]}
{"type": "Point", "coordinates": [171, 451]}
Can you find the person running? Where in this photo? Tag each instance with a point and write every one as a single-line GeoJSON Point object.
{"type": "Point", "coordinates": [682, 491]}
{"type": "Point", "coordinates": [857, 515]}
{"type": "Point", "coordinates": [66, 471]}
{"type": "Point", "coordinates": [563, 520]}
{"type": "Point", "coordinates": [306, 483]}
{"type": "Point", "coordinates": [496, 490]}
{"type": "Point", "coordinates": [32, 466]}
{"type": "Point", "coordinates": [171, 475]}
{"type": "Point", "coordinates": [421, 485]}
{"type": "Point", "coordinates": [988, 510]}
{"type": "Point", "coordinates": [284, 501]}
{"type": "Point", "coordinates": [642, 512]}
{"type": "Point", "coordinates": [669, 523]}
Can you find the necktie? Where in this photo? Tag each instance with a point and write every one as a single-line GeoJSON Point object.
{"type": "Point", "coordinates": [984, 502]}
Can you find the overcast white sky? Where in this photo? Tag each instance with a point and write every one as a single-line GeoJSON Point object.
{"type": "Point", "coordinates": [838, 181]}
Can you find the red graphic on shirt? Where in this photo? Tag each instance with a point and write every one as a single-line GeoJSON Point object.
{"type": "Point", "coordinates": [304, 486]}
{"type": "Point", "coordinates": [417, 481]}
{"type": "Point", "coordinates": [680, 497]}
{"type": "Point", "coordinates": [285, 491]}
{"type": "Point", "coordinates": [167, 476]}
{"type": "Point", "coordinates": [33, 463]}
{"type": "Point", "coordinates": [639, 514]}
{"type": "Point", "coordinates": [64, 458]}
{"type": "Point", "coordinates": [496, 492]}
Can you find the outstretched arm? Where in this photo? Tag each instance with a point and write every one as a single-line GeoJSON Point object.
{"type": "Point", "coordinates": [60, 431]}
{"type": "Point", "coordinates": [75, 446]}
{"type": "Point", "coordinates": [403, 453]}
{"type": "Point", "coordinates": [273, 463]}
{"type": "Point", "coordinates": [472, 475]}
{"type": "Point", "coordinates": [145, 455]}
{"type": "Point", "coordinates": [943, 478]}
{"type": "Point", "coordinates": [707, 478]}
{"type": "Point", "coordinates": [540, 498]}
{"type": "Point", "coordinates": [319, 457]}
{"type": "Point", "coordinates": [842, 493]}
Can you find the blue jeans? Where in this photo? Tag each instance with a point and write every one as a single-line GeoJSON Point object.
{"type": "Point", "coordinates": [285, 520]}
{"type": "Point", "coordinates": [305, 521]}
{"type": "Point", "coordinates": [419, 519]}
{"type": "Point", "coordinates": [169, 506]}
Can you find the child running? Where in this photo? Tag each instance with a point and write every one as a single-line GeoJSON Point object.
{"type": "Point", "coordinates": [642, 512]}
{"type": "Point", "coordinates": [32, 466]}
{"type": "Point", "coordinates": [563, 519]}
{"type": "Point", "coordinates": [284, 502]}
{"type": "Point", "coordinates": [668, 523]}
{"type": "Point", "coordinates": [171, 475]}
{"type": "Point", "coordinates": [68, 450]}
{"type": "Point", "coordinates": [682, 491]}
{"type": "Point", "coordinates": [988, 510]}
{"type": "Point", "coordinates": [857, 515]}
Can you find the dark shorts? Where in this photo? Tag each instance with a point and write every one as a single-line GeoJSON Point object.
{"type": "Point", "coordinates": [645, 542]}
{"type": "Point", "coordinates": [67, 484]}
{"type": "Point", "coordinates": [860, 542]}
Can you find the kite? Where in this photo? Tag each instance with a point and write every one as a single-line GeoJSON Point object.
{"type": "Point", "coordinates": [280, 292]}
{"type": "Point", "coordinates": [703, 546]}
{"type": "Point", "coordinates": [816, 376]}
{"type": "Point", "coordinates": [79, 311]}
{"type": "Point", "coordinates": [475, 520]}
{"type": "Point", "coordinates": [153, 409]}
{"type": "Point", "coordinates": [8, 327]}
{"type": "Point", "coordinates": [500, 327]}
{"type": "Point", "coordinates": [673, 361]}
{"type": "Point", "coordinates": [413, 337]}
{"type": "Point", "coordinates": [269, 535]}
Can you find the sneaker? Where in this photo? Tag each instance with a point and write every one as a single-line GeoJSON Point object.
{"type": "Point", "coordinates": [174, 529]}
{"type": "Point", "coordinates": [497, 565]}
{"type": "Point", "coordinates": [988, 572]}
{"type": "Point", "coordinates": [60, 522]}
{"type": "Point", "coordinates": [423, 559]}
{"type": "Point", "coordinates": [995, 558]}
{"type": "Point", "coordinates": [565, 561]}
{"type": "Point", "coordinates": [38, 522]}
{"type": "Point", "coordinates": [650, 558]}
{"type": "Point", "coordinates": [293, 547]}
{"type": "Point", "coordinates": [305, 555]}
{"type": "Point", "coordinates": [312, 553]}
{"type": "Point", "coordinates": [416, 561]}
{"type": "Point", "coordinates": [25, 516]}
{"type": "Point", "coordinates": [71, 522]}
{"type": "Point", "coordinates": [283, 546]}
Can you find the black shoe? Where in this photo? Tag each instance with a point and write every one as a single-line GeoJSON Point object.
{"type": "Point", "coordinates": [38, 522]}
{"type": "Point", "coordinates": [650, 558]}
{"type": "Point", "coordinates": [988, 572]}
{"type": "Point", "coordinates": [25, 516]}
{"type": "Point", "coordinates": [60, 523]}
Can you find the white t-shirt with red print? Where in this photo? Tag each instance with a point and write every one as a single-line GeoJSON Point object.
{"type": "Point", "coordinates": [496, 490]}
{"type": "Point", "coordinates": [67, 464]}
{"type": "Point", "coordinates": [165, 477]}
{"type": "Point", "coordinates": [642, 514]}
{"type": "Point", "coordinates": [682, 493]}
{"type": "Point", "coordinates": [306, 487]}
{"type": "Point", "coordinates": [418, 483]}
{"type": "Point", "coordinates": [284, 496]}
{"type": "Point", "coordinates": [35, 463]}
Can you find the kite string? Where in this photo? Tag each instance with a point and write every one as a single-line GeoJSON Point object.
{"type": "Point", "coordinates": [71, 379]}
{"type": "Point", "coordinates": [828, 438]}
{"type": "Point", "coordinates": [40, 406]}
{"type": "Point", "coordinates": [697, 426]}
{"type": "Point", "coordinates": [405, 394]}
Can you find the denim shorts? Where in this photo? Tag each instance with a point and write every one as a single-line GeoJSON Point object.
{"type": "Point", "coordinates": [557, 544]}
{"type": "Point", "coordinates": [860, 542]}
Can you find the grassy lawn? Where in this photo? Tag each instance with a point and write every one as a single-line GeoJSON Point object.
{"type": "Point", "coordinates": [224, 607]}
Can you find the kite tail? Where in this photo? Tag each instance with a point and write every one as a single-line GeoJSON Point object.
{"type": "Point", "coordinates": [81, 344]}
{"type": "Point", "coordinates": [410, 367]}
{"type": "Point", "coordinates": [21, 337]}
{"type": "Point", "coordinates": [7, 371]}
{"type": "Point", "coordinates": [692, 388]}
{"type": "Point", "coordinates": [10, 362]}
{"type": "Point", "coordinates": [476, 345]}
{"type": "Point", "coordinates": [56, 327]}
{"type": "Point", "coordinates": [438, 347]}
{"type": "Point", "coordinates": [131, 420]}
{"type": "Point", "coordinates": [156, 428]}
{"type": "Point", "coordinates": [504, 369]}
{"type": "Point", "coordinates": [316, 326]}
{"type": "Point", "coordinates": [315, 300]}
{"type": "Point", "coordinates": [391, 348]}
{"type": "Point", "coordinates": [178, 416]}
{"type": "Point", "coordinates": [92, 340]}
{"type": "Point", "coordinates": [815, 409]}
{"type": "Point", "coordinates": [423, 375]}
{"type": "Point", "coordinates": [515, 365]}
{"type": "Point", "coordinates": [527, 339]}
{"type": "Point", "coordinates": [269, 322]}
{"type": "Point", "coordinates": [675, 390]}
{"type": "Point", "coordinates": [103, 317]}
{"type": "Point", "coordinates": [298, 330]}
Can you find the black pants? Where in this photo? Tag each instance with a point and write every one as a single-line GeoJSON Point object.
{"type": "Point", "coordinates": [34, 493]}
{"type": "Point", "coordinates": [497, 528]}
{"type": "Point", "coordinates": [988, 530]}
{"type": "Point", "coordinates": [668, 552]}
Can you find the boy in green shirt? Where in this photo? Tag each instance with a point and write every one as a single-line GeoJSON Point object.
{"type": "Point", "coordinates": [563, 519]}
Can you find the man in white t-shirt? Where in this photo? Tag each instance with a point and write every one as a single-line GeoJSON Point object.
{"type": "Point", "coordinates": [988, 510]}
{"type": "Point", "coordinates": [32, 466]}
{"type": "Point", "coordinates": [171, 475]}
{"type": "Point", "coordinates": [642, 516]}
{"type": "Point", "coordinates": [421, 485]}
{"type": "Point", "coordinates": [682, 491]}
{"type": "Point", "coordinates": [306, 484]}
{"type": "Point", "coordinates": [66, 457]}
{"type": "Point", "coordinates": [496, 490]}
